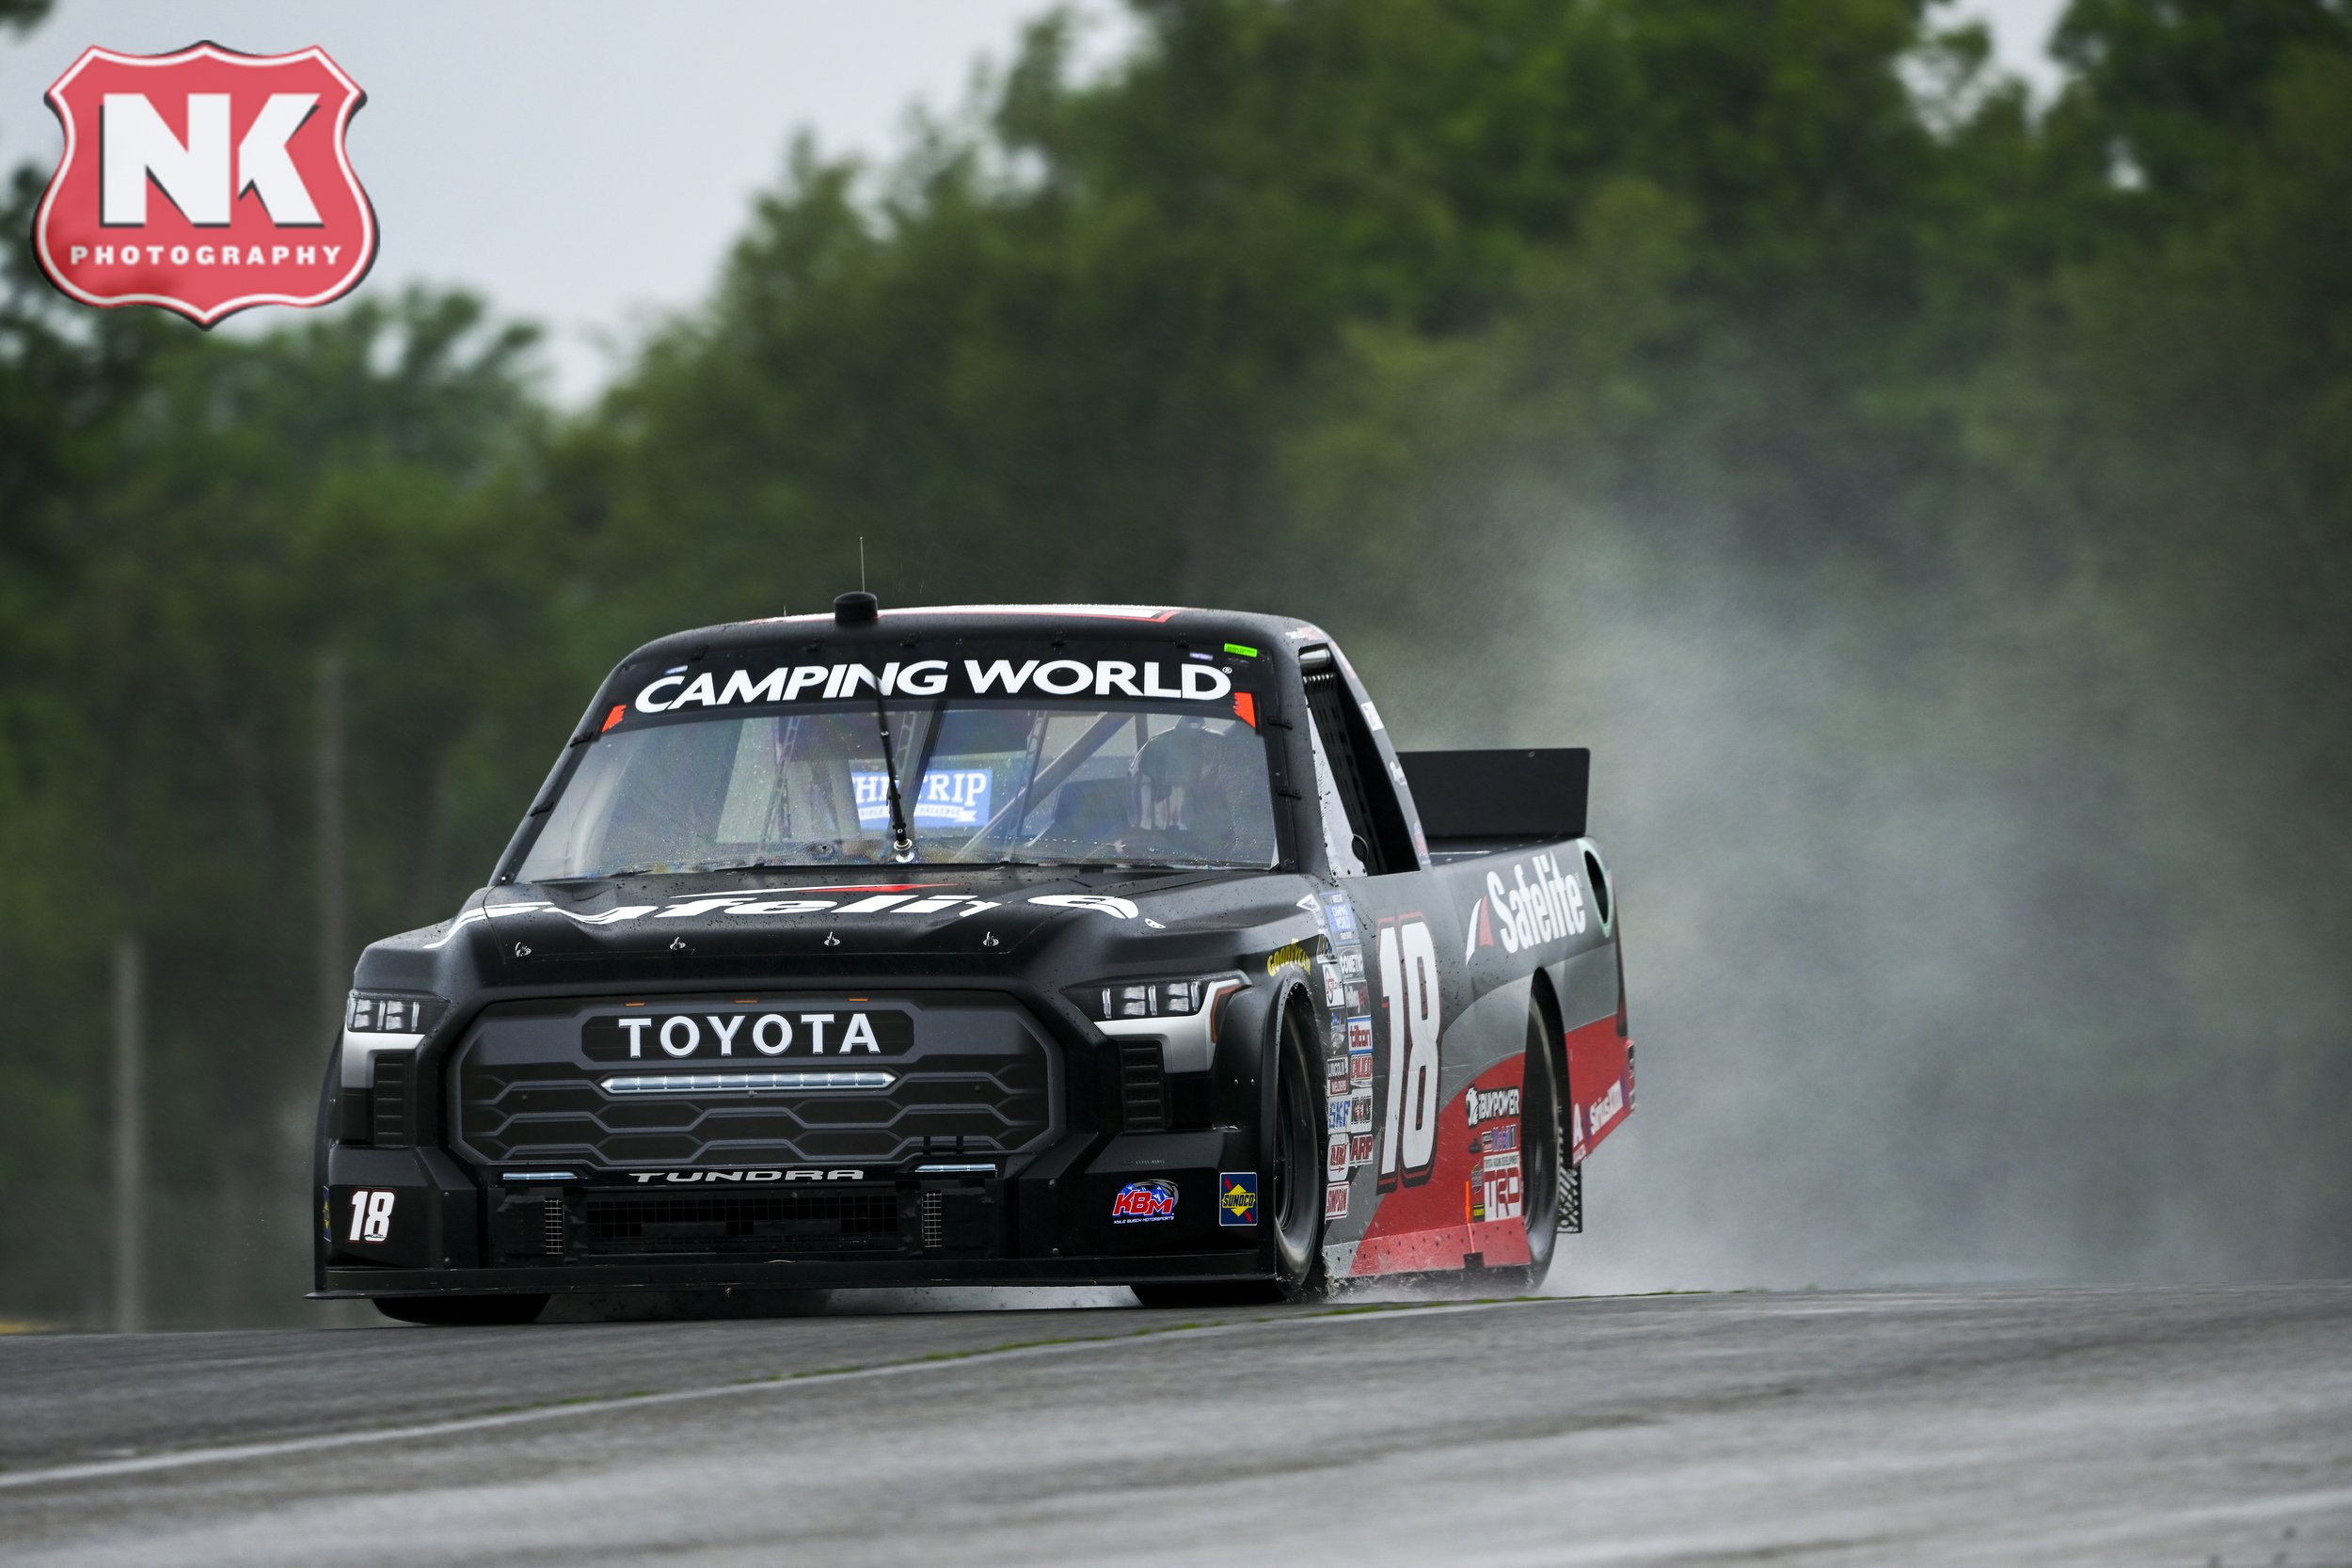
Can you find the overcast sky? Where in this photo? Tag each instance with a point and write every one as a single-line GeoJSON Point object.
{"type": "Point", "coordinates": [587, 164]}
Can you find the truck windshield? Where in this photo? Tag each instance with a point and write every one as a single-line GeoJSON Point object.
{"type": "Point", "coordinates": [1076, 783]}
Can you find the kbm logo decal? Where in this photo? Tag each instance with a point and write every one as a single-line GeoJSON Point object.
{"type": "Point", "coordinates": [205, 182]}
{"type": "Point", "coordinates": [1237, 1197]}
{"type": "Point", "coordinates": [1140, 1201]}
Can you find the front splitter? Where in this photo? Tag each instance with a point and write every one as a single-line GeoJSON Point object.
{"type": "Point", "coordinates": [786, 1274]}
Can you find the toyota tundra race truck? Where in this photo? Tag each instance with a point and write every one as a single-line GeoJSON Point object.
{"type": "Point", "coordinates": [1060, 946]}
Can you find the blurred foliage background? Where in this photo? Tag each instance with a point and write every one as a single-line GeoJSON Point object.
{"type": "Point", "coordinates": [1931, 503]}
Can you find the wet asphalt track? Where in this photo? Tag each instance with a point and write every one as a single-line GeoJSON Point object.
{"type": "Point", "coordinates": [2010, 1426]}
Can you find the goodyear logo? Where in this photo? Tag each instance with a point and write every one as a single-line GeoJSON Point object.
{"type": "Point", "coordinates": [1237, 1197]}
{"type": "Point", "coordinates": [1282, 957]}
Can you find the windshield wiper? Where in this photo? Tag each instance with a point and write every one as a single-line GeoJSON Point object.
{"type": "Point", "coordinates": [902, 838]}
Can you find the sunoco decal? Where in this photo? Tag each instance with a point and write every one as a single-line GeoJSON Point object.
{"type": "Point", "coordinates": [1237, 1197]}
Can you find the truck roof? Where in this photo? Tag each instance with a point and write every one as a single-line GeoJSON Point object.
{"type": "Point", "coordinates": [1152, 622]}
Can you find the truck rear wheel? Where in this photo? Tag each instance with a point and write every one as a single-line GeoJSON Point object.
{"type": "Point", "coordinates": [1543, 1147]}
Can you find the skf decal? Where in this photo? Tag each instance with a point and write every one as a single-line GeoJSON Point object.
{"type": "Point", "coordinates": [1237, 1197]}
{"type": "Point", "coordinates": [1143, 1202]}
{"type": "Point", "coordinates": [258, 204]}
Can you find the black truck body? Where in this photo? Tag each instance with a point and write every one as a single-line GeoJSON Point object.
{"type": "Point", "coordinates": [1081, 995]}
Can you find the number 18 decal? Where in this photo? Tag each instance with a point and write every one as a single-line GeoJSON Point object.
{"type": "Point", "coordinates": [371, 1214]}
{"type": "Point", "coordinates": [1408, 989]}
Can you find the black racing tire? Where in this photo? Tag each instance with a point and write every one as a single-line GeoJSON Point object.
{"type": "Point", "coordinates": [1543, 1146]}
{"type": "Point", "coordinates": [1293, 1189]}
{"type": "Point", "coordinates": [463, 1311]}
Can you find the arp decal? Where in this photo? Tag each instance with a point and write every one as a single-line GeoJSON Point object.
{"type": "Point", "coordinates": [1237, 1197]}
{"type": "Point", "coordinates": [1410, 992]}
{"type": "Point", "coordinates": [1144, 1202]}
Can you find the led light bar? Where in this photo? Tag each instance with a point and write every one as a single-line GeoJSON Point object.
{"type": "Point", "coordinates": [742, 1083]}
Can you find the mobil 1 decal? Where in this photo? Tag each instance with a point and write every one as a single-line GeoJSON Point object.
{"type": "Point", "coordinates": [1411, 1005]}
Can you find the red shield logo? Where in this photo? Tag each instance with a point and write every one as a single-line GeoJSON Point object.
{"type": "Point", "coordinates": [205, 182]}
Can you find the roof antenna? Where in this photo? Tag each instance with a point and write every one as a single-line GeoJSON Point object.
{"type": "Point", "coordinates": [860, 563]}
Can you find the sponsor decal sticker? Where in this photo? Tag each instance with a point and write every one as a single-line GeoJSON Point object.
{"type": "Point", "coordinates": [1486, 1104]}
{"type": "Point", "coordinates": [1352, 964]}
{"type": "Point", "coordinates": [1332, 995]}
{"type": "Point", "coordinates": [1237, 1197]}
{"type": "Point", "coordinates": [952, 797]}
{"type": "Point", "coordinates": [785, 684]}
{"type": "Point", "coordinates": [1336, 1108]}
{"type": "Point", "coordinates": [205, 182]}
{"type": "Point", "coordinates": [1335, 1203]}
{"type": "Point", "coordinates": [1360, 1041]}
{"type": "Point", "coordinates": [1144, 1202]}
{"type": "Point", "coordinates": [1360, 1149]}
{"type": "Point", "coordinates": [1528, 913]}
{"type": "Point", "coordinates": [1335, 1158]}
{"type": "Point", "coordinates": [1501, 1194]}
{"type": "Point", "coordinates": [1283, 958]}
{"type": "Point", "coordinates": [1341, 914]}
{"type": "Point", "coordinates": [1359, 1109]}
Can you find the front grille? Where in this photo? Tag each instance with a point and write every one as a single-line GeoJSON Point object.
{"type": "Point", "coordinates": [743, 1222]}
{"type": "Point", "coordinates": [934, 1226]}
{"type": "Point", "coordinates": [1142, 1085]}
{"type": "Point", "coordinates": [554, 1223]}
{"type": "Point", "coordinates": [978, 1079]}
{"type": "Point", "coordinates": [388, 1100]}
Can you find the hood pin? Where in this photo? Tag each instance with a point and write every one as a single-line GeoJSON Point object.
{"type": "Point", "coordinates": [831, 941]}
{"type": "Point", "coordinates": [989, 940]}
{"type": "Point", "coordinates": [677, 944]}
{"type": "Point", "coordinates": [521, 951]}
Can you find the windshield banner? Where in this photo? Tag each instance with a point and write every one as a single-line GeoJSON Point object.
{"type": "Point", "coordinates": [1180, 680]}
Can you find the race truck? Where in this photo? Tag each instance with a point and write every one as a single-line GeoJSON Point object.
{"type": "Point", "coordinates": [1063, 945]}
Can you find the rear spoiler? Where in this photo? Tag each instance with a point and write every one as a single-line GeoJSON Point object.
{"type": "Point", "coordinates": [1473, 799]}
